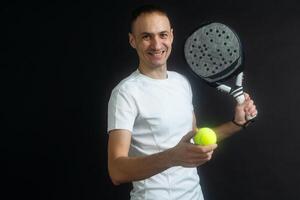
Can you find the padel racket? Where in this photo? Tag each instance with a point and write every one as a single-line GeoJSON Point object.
{"type": "Point", "coordinates": [214, 53]}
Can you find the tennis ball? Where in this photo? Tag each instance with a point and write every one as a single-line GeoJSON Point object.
{"type": "Point", "coordinates": [205, 136]}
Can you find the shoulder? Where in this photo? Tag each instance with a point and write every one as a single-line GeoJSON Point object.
{"type": "Point", "coordinates": [181, 81]}
{"type": "Point", "coordinates": [127, 85]}
{"type": "Point", "coordinates": [177, 76]}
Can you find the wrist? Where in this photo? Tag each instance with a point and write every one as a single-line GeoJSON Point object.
{"type": "Point", "coordinates": [240, 124]}
{"type": "Point", "coordinates": [169, 157]}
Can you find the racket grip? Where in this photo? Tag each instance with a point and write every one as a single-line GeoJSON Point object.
{"type": "Point", "coordinates": [249, 117]}
{"type": "Point", "coordinates": [240, 99]}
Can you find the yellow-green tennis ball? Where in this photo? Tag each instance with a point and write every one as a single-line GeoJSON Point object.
{"type": "Point", "coordinates": [205, 136]}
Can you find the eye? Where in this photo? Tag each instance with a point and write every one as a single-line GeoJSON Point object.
{"type": "Point", "coordinates": [146, 37]}
{"type": "Point", "coordinates": [164, 35]}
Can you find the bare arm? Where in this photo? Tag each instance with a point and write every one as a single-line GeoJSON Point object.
{"type": "Point", "coordinates": [123, 168]}
{"type": "Point", "coordinates": [241, 111]}
{"type": "Point", "coordinates": [226, 130]}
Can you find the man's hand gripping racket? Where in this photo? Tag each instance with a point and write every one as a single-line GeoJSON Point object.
{"type": "Point", "coordinates": [214, 53]}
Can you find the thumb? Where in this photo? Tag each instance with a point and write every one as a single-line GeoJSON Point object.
{"type": "Point", "coordinates": [188, 136]}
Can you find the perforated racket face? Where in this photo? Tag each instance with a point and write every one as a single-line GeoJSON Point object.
{"type": "Point", "coordinates": [213, 52]}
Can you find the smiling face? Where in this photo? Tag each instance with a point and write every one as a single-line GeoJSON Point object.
{"type": "Point", "coordinates": [152, 38]}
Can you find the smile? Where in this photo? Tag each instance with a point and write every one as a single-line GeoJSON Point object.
{"type": "Point", "coordinates": [157, 53]}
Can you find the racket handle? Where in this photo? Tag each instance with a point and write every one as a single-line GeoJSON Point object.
{"type": "Point", "coordinates": [240, 99]}
{"type": "Point", "coordinates": [239, 79]}
{"type": "Point", "coordinates": [249, 117]}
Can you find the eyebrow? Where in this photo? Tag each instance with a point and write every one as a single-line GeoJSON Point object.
{"type": "Point", "coordinates": [147, 33]}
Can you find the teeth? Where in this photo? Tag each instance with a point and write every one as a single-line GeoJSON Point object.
{"type": "Point", "coordinates": [157, 53]}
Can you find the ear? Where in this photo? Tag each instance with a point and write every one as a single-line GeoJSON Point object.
{"type": "Point", "coordinates": [172, 36]}
{"type": "Point", "coordinates": [132, 40]}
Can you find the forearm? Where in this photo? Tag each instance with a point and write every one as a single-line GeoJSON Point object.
{"type": "Point", "coordinates": [127, 169]}
{"type": "Point", "coordinates": [247, 108]}
{"type": "Point", "coordinates": [226, 130]}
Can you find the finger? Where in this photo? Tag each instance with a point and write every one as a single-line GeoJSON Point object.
{"type": "Point", "coordinates": [206, 148]}
{"type": "Point", "coordinates": [188, 136]}
{"type": "Point", "coordinates": [203, 158]}
{"type": "Point", "coordinates": [195, 129]}
{"type": "Point", "coordinates": [247, 96]}
{"type": "Point", "coordinates": [248, 103]}
{"type": "Point", "coordinates": [198, 161]}
{"type": "Point", "coordinates": [200, 156]}
{"type": "Point", "coordinates": [210, 148]}
{"type": "Point", "coordinates": [253, 112]}
{"type": "Point", "coordinates": [250, 108]}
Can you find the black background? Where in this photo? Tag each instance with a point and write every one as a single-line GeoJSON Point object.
{"type": "Point", "coordinates": [60, 62]}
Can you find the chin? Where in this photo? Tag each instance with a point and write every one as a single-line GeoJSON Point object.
{"type": "Point", "coordinates": [158, 65]}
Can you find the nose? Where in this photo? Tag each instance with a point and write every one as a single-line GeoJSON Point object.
{"type": "Point", "coordinates": [156, 43]}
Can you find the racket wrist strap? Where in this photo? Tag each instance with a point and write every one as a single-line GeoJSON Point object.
{"type": "Point", "coordinates": [241, 125]}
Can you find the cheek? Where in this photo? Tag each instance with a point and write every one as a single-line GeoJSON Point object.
{"type": "Point", "coordinates": [168, 43]}
{"type": "Point", "coordinates": [143, 46]}
{"type": "Point", "coordinates": [169, 47]}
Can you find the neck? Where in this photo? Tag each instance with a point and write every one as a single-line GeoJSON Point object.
{"type": "Point", "coordinates": [157, 73]}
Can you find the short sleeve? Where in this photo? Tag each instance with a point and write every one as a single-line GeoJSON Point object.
{"type": "Point", "coordinates": [122, 111]}
{"type": "Point", "coordinates": [189, 88]}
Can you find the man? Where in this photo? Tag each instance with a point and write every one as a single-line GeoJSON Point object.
{"type": "Point", "coordinates": [151, 119]}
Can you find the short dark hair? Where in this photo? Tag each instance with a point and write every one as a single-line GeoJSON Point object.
{"type": "Point", "coordinates": [145, 9]}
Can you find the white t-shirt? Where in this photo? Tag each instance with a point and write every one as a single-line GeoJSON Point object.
{"type": "Point", "coordinates": [158, 113]}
